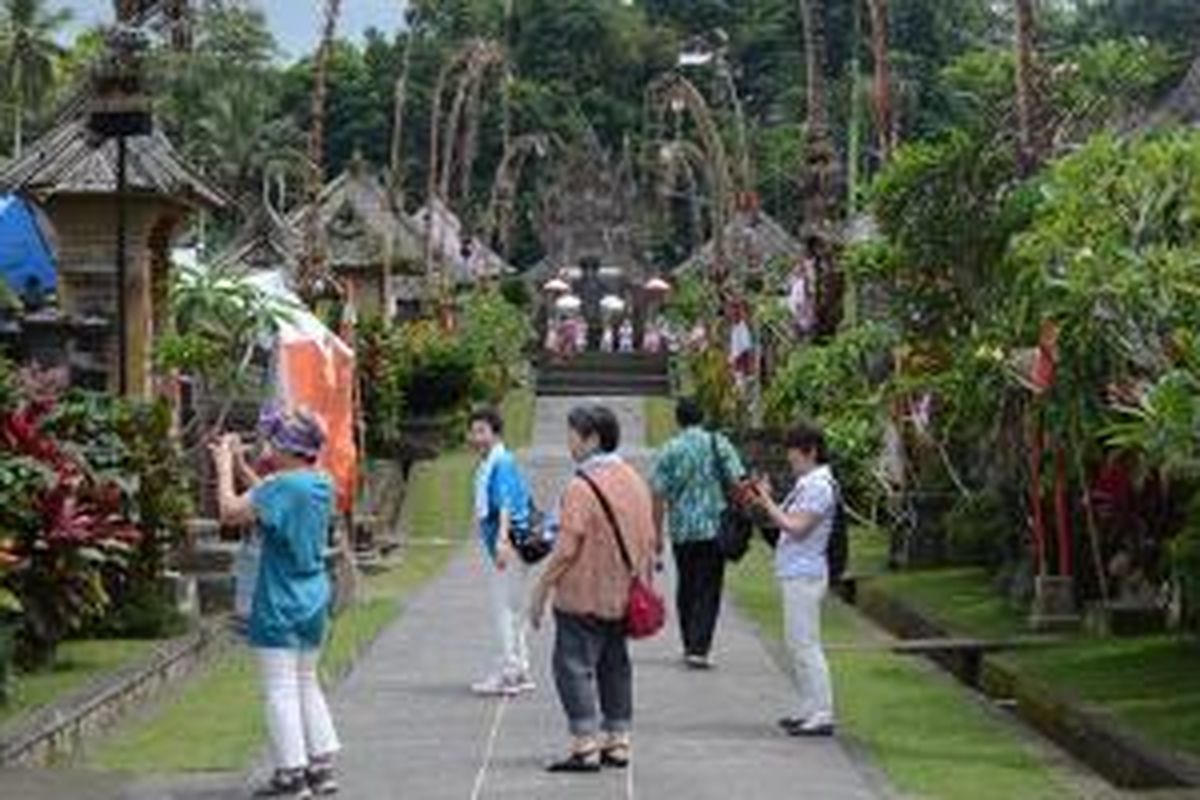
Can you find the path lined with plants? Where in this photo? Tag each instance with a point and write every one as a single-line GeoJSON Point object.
{"type": "Point", "coordinates": [412, 729]}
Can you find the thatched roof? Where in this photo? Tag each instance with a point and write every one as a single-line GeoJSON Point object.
{"type": "Point", "coordinates": [266, 242]}
{"type": "Point", "coordinates": [753, 238]}
{"type": "Point", "coordinates": [362, 229]}
{"type": "Point", "coordinates": [70, 159]}
{"type": "Point", "coordinates": [448, 235]}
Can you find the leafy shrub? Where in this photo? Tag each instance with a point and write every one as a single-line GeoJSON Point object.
{"type": "Point", "coordinates": [65, 524]}
{"type": "Point", "coordinates": [980, 529]}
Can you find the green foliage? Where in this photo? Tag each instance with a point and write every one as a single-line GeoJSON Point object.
{"type": "Point", "coordinates": [220, 321]}
{"type": "Point", "coordinates": [949, 208]}
{"type": "Point", "coordinates": [496, 334]}
{"type": "Point", "coordinates": [29, 52]}
{"type": "Point", "coordinates": [133, 445]}
{"type": "Point", "coordinates": [221, 101]}
{"type": "Point", "coordinates": [831, 385]}
{"type": "Point", "coordinates": [421, 370]}
{"type": "Point", "coordinates": [979, 528]}
{"type": "Point", "coordinates": [440, 369]}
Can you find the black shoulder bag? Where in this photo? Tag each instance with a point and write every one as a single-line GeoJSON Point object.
{"type": "Point", "coordinates": [735, 527]}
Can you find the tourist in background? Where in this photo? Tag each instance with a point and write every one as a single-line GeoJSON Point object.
{"type": "Point", "coordinates": [689, 499]}
{"type": "Point", "coordinates": [502, 504]}
{"type": "Point", "coordinates": [292, 510]}
{"type": "Point", "coordinates": [590, 584]}
{"type": "Point", "coordinates": [805, 520]}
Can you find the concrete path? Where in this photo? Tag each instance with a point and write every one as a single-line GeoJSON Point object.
{"type": "Point", "coordinates": [412, 730]}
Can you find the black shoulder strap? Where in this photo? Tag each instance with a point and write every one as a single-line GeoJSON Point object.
{"type": "Point", "coordinates": [722, 469]}
{"type": "Point", "coordinates": [612, 520]}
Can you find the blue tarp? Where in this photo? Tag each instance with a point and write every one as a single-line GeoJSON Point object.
{"type": "Point", "coordinates": [26, 262]}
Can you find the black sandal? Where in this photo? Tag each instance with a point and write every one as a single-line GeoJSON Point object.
{"type": "Point", "coordinates": [616, 756]}
{"type": "Point", "coordinates": [578, 763]}
{"type": "Point", "coordinates": [286, 784]}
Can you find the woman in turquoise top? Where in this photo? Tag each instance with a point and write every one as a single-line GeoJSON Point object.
{"type": "Point", "coordinates": [292, 510]}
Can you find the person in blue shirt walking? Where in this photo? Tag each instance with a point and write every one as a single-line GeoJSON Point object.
{"type": "Point", "coordinates": [502, 504]}
{"type": "Point", "coordinates": [289, 612]}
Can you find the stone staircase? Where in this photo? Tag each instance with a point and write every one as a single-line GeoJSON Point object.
{"type": "Point", "coordinates": [604, 375]}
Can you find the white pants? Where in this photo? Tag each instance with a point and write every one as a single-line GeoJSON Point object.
{"type": "Point", "coordinates": [298, 720]}
{"type": "Point", "coordinates": [509, 588]}
{"type": "Point", "coordinates": [802, 624]}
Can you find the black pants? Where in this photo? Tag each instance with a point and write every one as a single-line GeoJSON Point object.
{"type": "Point", "coordinates": [701, 570]}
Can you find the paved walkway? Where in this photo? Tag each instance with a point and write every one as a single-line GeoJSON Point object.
{"type": "Point", "coordinates": [412, 730]}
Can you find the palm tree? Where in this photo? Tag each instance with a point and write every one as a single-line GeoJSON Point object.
{"type": "Point", "coordinates": [821, 168]}
{"type": "Point", "coordinates": [240, 141]}
{"type": "Point", "coordinates": [29, 53]}
{"type": "Point", "coordinates": [885, 123]}
{"type": "Point", "coordinates": [313, 269]}
{"type": "Point", "coordinates": [1029, 150]}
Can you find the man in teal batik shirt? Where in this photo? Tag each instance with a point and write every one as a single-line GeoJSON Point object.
{"type": "Point", "coordinates": [689, 495]}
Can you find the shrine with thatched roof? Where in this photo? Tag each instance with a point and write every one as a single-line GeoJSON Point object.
{"type": "Point", "coordinates": [71, 173]}
{"type": "Point", "coordinates": [372, 249]}
{"type": "Point", "coordinates": [753, 239]}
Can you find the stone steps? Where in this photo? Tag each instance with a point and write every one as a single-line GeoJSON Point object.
{"type": "Point", "coordinates": [605, 375]}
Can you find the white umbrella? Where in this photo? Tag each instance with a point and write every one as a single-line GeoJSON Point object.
{"type": "Point", "coordinates": [613, 304]}
{"type": "Point", "coordinates": [568, 303]}
{"type": "Point", "coordinates": [556, 286]}
{"type": "Point", "coordinates": [658, 285]}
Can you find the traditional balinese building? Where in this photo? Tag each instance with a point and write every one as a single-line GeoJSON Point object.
{"type": "Point", "coordinates": [591, 226]}
{"type": "Point", "coordinates": [753, 240]}
{"type": "Point", "coordinates": [374, 251]}
{"type": "Point", "coordinates": [468, 258]}
{"type": "Point", "coordinates": [72, 175]}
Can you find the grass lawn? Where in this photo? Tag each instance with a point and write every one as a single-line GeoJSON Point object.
{"type": "Point", "coordinates": [215, 723]}
{"type": "Point", "coordinates": [77, 664]}
{"type": "Point", "coordinates": [660, 420]}
{"type": "Point", "coordinates": [963, 599]}
{"type": "Point", "coordinates": [519, 409]}
{"type": "Point", "coordinates": [1148, 682]}
{"type": "Point", "coordinates": [926, 732]}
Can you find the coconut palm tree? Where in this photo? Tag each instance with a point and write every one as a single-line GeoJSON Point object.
{"type": "Point", "coordinates": [29, 52]}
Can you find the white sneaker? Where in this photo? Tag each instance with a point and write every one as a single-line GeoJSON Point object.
{"type": "Point", "coordinates": [495, 686]}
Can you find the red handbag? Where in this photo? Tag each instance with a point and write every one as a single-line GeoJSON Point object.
{"type": "Point", "coordinates": [647, 611]}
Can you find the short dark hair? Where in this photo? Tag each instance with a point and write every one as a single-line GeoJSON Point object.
{"type": "Point", "coordinates": [807, 438]}
{"type": "Point", "coordinates": [490, 416]}
{"type": "Point", "coordinates": [598, 421]}
{"type": "Point", "coordinates": [688, 412]}
{"type": "Point", "coordinates": [608, 427]}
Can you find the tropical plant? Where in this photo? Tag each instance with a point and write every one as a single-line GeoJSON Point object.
{"type": "Point", "coordinates": [132, 445]}
{"type": "Point", "coordinates": [66, 524]}
{"type": "Point", "coordinates": [221, 320]}
{"type": "Point", "coordinates": [29, 51]}
{"type": "Point", "coordinates": [497, 335]}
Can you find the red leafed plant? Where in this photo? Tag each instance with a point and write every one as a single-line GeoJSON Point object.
{"type": "Point", "coordinates": [66, 527]}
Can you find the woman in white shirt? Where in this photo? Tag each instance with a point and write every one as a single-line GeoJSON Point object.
{"type": "Point", "coordinates": [805, 520]}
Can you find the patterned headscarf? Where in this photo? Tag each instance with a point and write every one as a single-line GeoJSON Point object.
{"type": "Point", "coordinates": [296, 432]}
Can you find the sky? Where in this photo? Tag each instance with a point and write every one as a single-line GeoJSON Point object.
{"type": "Point", "coordinates": [295, 23]}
